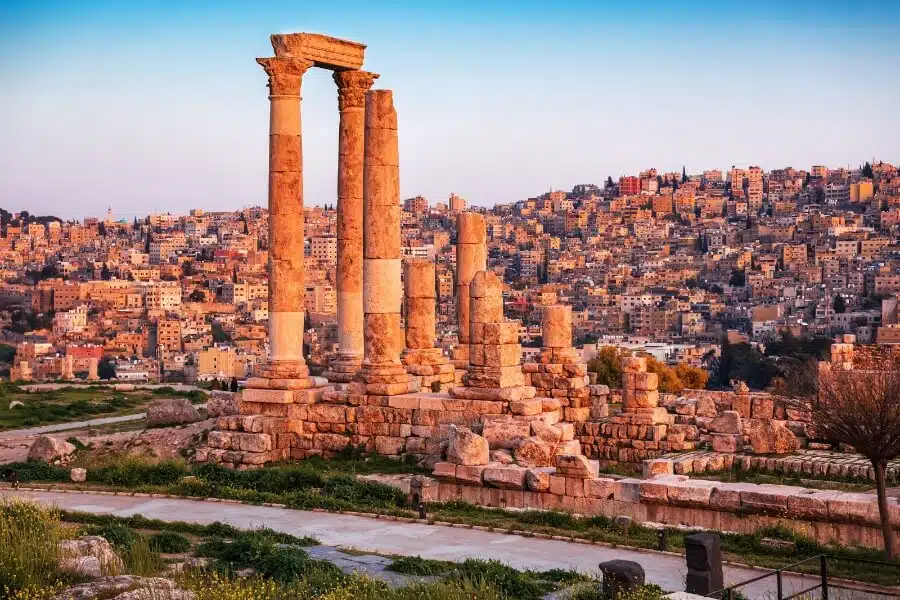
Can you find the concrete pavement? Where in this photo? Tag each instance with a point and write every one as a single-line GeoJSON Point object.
{"type": "Point", "coordinates": [408, 539]}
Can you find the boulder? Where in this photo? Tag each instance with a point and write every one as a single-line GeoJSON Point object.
{"type": "Point", "coordinates": [467, 448]}
{"type": "Point", "coordinates": [504, 432]}
{"type": "Point", "coordinates": [534, 452]}
{"type": "Point", "coordinates": [771, 437]}
{"type": "Point", "coordinates": [90, 555]}
{"type": "Point", "coordinates": [728, 422]}
{"type": "Point", "coordinates": [78, 475]}
{"type": "Point", "coordinates": [726, 443]}
{"type": "Point", "coordinates": [221, 404]}
{"type": "Point", "coordinates": [171, 411]}
{"type": "Point", "coordinates": [48, 449]}
{"type": "Point", "coordinates": [126, 587]}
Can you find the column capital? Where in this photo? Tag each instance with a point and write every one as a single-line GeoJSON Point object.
{"type": "Point", "coordinates": [285, 74]}
{"type": "Point", "coordinates": [352, 87]}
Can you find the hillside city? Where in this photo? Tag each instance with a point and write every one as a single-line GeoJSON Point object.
{"type": "Point", "coordinates": [668, 263]}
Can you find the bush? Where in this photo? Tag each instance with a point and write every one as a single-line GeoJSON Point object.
{"type": "Point", "coordinates": [423, 567]}
{"type": "Point", "coordinates": [503, 578]}
{"type": "Point", "coordinates": [169, 542]}
{"type": "Point", "coordinates": [29, 537]}
{"type": "Point", "coordinates": [119, 536]}
{"type": "Point", "coordinates": [36, 471]}
{"type": "Point", "coordinates": [132, 472]}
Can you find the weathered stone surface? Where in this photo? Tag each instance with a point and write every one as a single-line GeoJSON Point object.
{"type": "Point", "coordinates": [550, 434]}
{"type": "Point", "coordinates": [504, 431]}
{"type": "Point", "coordinates": [78, 475]}
{"type": "Point", "coordinates": [728, 422]}
{"type": "Point", "coordinates": [126, 587]}
{"type": "Point", "coordinates": [726, 442]}
{"type": "Point", "coordinates": [706, 407]}
{"type": "Point", "coordinates": [171, 411]}
{"type": "Point", "coordinates": [505, 477]}
{"type": "Point", "coordinates": [104, 558]}
{"type": "Point", "coordinates": [771, 437]}
{"type": "Point", "coordinates": [654, 467]}
{"type": "Point", "coordinates": [534, 452]}
{"type": "Point", "coordinates": [527, 407]}
{"type": "Point", "coordinates": [49, 449]}
{"type": "Point", "coordinates": [470, 474]}
{"type": "Point", "coordinates": [502, 456]}
{"type": "Point", "coordinates": [467, 448]}
{"type": "Point", "coordinates": [538, 480]}
{"type": "Point", "coordinates": [556, 326]}
{"type": "Point", "coordinates": [602, 488]}
{"type": "Point", "coordinates": [572, 465]}
{"type": "Point", "coordinates": [221, 404]}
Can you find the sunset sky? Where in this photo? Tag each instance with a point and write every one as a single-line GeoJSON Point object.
{"type": "Point", "coordinates": [160, 106]}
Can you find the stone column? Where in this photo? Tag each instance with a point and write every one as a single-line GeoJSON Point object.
{"type": "Point", "coordinates": [352, 88]}
{"type": "Point", "coordinates": [421, 357]}
{"type": "Point", "coordinates": [93, 368]}
{"type": "Point", "coordinates": [471, 257]}
{"type": "Point", "coordinates": [382, 371]}
{"type": "Point", "coordinates": [286, 285]}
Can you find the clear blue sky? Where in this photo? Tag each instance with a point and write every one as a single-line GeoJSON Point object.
{"type": "Point", "coordinates": [160, 105]}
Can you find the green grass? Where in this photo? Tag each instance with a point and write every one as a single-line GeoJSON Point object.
{"type": "Point", "coordinates": [76, 404]}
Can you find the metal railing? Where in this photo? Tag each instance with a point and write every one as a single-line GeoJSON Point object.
{"type": "Point", "coordinates": [793, 570]}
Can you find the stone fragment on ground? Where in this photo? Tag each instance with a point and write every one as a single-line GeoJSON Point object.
{"type": "Point", "coordinates": [171, 411]}
{"type": "Point", "coordinates": [49, 449]}
{"type": "Point", "coordinates": [126, 587]}
{"type": "Point", "coordinates": [467, 448]}
{"type": "Point", "coordinates": [89, 556]}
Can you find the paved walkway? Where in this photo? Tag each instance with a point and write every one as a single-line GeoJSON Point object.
{"type": "Point", "coordinates": [409, 539]}
{"type": "Point", "coordinates": [43, 429]}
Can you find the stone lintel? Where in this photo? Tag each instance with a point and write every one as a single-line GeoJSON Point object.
{"type": "Point", "coordinates": [324, 51]}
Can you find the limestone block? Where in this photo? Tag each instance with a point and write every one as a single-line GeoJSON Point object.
{"type": "Point", "coordinates": [728, 422]}
{"type": "Point", "coordinates": [444, 471]}
{"type": "Point", "coordinates": [762, 407]}
{"type": "Point", "coordinates": [467, 448]}
{"type": "Point", "coordinates": [602, 488]}
{"type": "Point", "coordinates": [576, 465]}
{"type": "Point", "coordinates": [504, 332]}
{"type": "Point", "coordinates": [532, 406]}
{"type": "Point", "coordinates": [550, 434]}
{"type": "Point", "coordinates": [485, 310]}
{"type": "Point", "coordinates": [570, 447]}
{"type": "Point", "coordinates": [486, 284]}
{"type": "Point", "coordinates": [653, 492]}
{"type": "Point", "coordinates": [575, 487]}
{"type": "Point", "coordinates": [505, 477]}
{"type": "Point", "coordinates": [726, 442]}
{"type": "Point", "coordinates": [627, 490]}
{"type": "Point", "coordinates": [645, 381]}
{"type": "Point", "coordinates": [534, 452]}
{"type": "Point", "coordinates": [691, 494]}
{"type": "Point", "coordinates": [741, 404]}
{"type": "Point", "coordinates": [327, 413]}
{"type": "Point", "coordinates": [538, 479]}
{"type": "Point", "coordinates": [497, 377]}
{"type": "Point", "coordinates": [811, 504]}
{"type": "Point", "coordinates": [505, 432]}
{"type": "Point", "coordinates": [660, 466]}
{"type": "Point", "coordinates": [556, 326]}
{"type": "Point", "coordinates": [502, 355]}
{"type": "Point", "coordinates": [706, 407]}
{"type": "Point", "coordinates": [502, 456]}
{"type": "Point", "coordinates": [577, 415]}
{"type": "Point", "coordinates": [389, 445]}
{"type": "Point", "coordinates": [267, 396]}
{"type": "Point", "coordinates": [768, 499]}
{"type": "Point", "coordinates": [470, 474]}
{"type": "Point", "coordinates": [771, 437]}
{"type": "Point", "coordinates": [644, 398]}
{"type": "Point", "coordinates": [382, 288]}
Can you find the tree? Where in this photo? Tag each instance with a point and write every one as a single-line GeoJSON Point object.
{"type": "Point", "coordinates": [196, 296]}
{"type": "Point", "coordinates": [608, 367]}
{"type": "Point", "coordinates": [105, 273]}
{"type": "Point", "coordinates": [106, 369]}
{"type": "Point", "coordinates": [684, 176]}
{"type": "Point", "coordinates": [867, 171]}
{"type": "Point", "coordinates": [609, 182]}
{"type": "Point", "coordinates": [857, 408]}
{"type": "Point", "coordinates": [839, 305]}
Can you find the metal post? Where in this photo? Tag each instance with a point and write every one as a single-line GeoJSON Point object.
{"type": "Point", "coordinates": [823, 569]}
{"type": "Point", "coordinates": [778, 584]}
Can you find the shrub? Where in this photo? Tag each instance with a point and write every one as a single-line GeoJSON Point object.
{"type": "Point", "coordinates": [423, 567]}
{"type": "Point", "coordinates": [503, 578]}
{"type": "Point", "coordinates": [119, 536]}
{"type": "Point", "coordinates": [133, 472]}
{"type": "Point", "coordinates": [140, 559]}
{"type": "Point", "coordinates": [37, 471]}
{"type": "Point", "coordinates": [29, 537]}
{"type": "Point", "coordinates": [169, 542]}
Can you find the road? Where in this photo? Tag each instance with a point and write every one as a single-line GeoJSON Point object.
{"type": "Point", "coordinates": [409, 539]}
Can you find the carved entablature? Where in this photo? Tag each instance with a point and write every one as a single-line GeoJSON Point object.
{"type": "Point", "coordinates": [285, 74]}
{"type": "Point", "coordinates": [325, 51]}
{"type": "Point", "coordinates": [352, 88]}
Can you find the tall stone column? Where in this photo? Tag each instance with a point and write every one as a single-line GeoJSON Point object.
{"type": "Point", "coordinates": [352, 87]}
{"type": "Point", "coordinates": [471, 257]}
{"type": "Point", "coordinates": [382, 371]}
{"type": "Point", "coordinates": [286, 285]}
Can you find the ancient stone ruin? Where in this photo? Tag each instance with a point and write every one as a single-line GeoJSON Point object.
{"type": "Point", "coordinates": [496, 431]}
